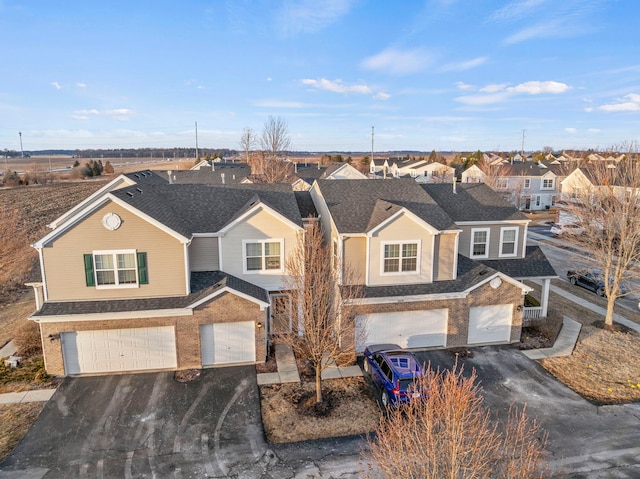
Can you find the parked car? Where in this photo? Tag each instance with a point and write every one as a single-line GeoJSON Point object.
{"type": "Point", "coordinates": [593, 280]}
{"type": "Point", "coordinates": [393, 370]}
{"type": "Point", "coordinates": [566, 229]}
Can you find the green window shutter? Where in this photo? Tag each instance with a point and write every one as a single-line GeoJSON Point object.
{"type": "Point", "coordinates": [88, 270]}
{"type": "Point", "coordinates": [143, 276]}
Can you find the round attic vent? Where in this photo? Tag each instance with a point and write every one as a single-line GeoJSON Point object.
{"type": "Point", "coordinates": [495, 283]}
{"type": "Point", "coordinates": [111, 221]}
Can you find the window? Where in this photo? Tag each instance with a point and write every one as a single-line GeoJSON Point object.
{"type": "Point", "coordinates": [508, 241]}
{"type": "Point", "coordinates": [527, 183]}
{"type": "Point", "coordinates": [547, 183]}
{"type": "Point", "coordinates": [480, 243]}
{"type": "Point", "coordinates": [400, 257]}
{"type": "Point", "coordinates": [502, 183]}
{"type": "Point", "coordinates": [115, 269]}
{"type": "Point", "coordinates": [263, 255]}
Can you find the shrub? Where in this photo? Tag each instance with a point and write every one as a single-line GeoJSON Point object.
{"type": "Point", "coordinates": [27, 339]}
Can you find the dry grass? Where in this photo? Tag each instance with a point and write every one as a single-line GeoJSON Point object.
{"type": "Point", "coordinates": [28, 377]}
{"type": "Point", "coordinates": [16, 419]}
{"type": "Point", "coordinates": [604, 365]}
{"type": "Point", "coordinates": [13, 315]}
{"type": "Point", "coordinates": [355, 410]}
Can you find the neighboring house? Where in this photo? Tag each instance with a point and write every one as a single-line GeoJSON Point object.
{"type": "Point", "coordinates": [307, 174]}
{"type": "Point", "coordinates": [379, 166]}
{"type": "Point", "coordinates": [432, 275]}
{"type": "Point", "coordinates": [530, 186]}
{"type": "Point", "coordinates": [584, 179]}
{"type": "Point", "coordinates": [422, 171]}
{"type": "Point", "coordinates": [473, 174]}
{"type": "Point", "coordinates": [164, 276]}
{"type": "Point", "coordinates": [148, 274]}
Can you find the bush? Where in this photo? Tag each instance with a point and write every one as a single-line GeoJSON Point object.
{"type": "Point", "coordinates": [27, 339]}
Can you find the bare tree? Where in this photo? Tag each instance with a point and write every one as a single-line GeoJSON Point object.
{"type": "Point", "coordinates": [450, 434]}
{"type": "Point", "coordinates": [248, 142]}
{"type": "Point", "coordinates": [322, 305]}
{"type": "Point", "coordinates": [607, 207]}
{"type": "Point", "coordinates": [271, 165]}
{"type": "Point", "coordinates": [275, 139]}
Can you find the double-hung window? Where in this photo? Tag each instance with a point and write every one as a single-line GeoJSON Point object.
{"type": "Point", "coordinates": [508, 241]}
{"type": "Point", "coordinates": [263, 256]}
{"type": "Point", "coordinates": [547, 184]}
{"type": "Point", "coordinates": [480, 243]}
{"type": "Point", "coordinates": [527, 183]}
{"type": "Point", "coordinates": [115, 269]}
{"type": "Point", "coordinates": [400, 257]}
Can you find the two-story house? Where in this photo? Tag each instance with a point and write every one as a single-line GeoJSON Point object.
{"type": "Point", "coordinates": [432, 275]}
{"type": "Point", "coordinates": [151, 274]}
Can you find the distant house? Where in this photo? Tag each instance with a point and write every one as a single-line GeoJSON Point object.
{"type": "Point", "coordinates": [473, 174]}
{"type": "Point", "coordinates": [422, 171]}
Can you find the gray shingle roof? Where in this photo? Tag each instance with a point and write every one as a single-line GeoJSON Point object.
{"type": "Point", "coordinates": [305, 204]}
{"type": "Point", "coordinates": [358, 205]}
{"type": "Point", "coordinates": [470, 273]}
{"type": "Point", "coordinates": [202, 285]}
{"type": "Point", "coordinates": [224, 173]}
{"type": "Point", "coordinates": [473, 202]}
{"type": "Point", "coordinates": [534, 265]}
{"type": "Point", "coordinates": [189, 209]}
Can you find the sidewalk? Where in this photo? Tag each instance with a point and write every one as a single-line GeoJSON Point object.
{"type": "Point", "coordinates": [288, 370]}
{"type": "Point", "coordinates": [564, 345]}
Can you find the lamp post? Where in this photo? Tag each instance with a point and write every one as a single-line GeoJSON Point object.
{"type": "Point", "coordinates": [21, 150]}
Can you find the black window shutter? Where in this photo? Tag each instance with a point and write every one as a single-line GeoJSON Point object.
{"type": "Point", "coordinates": [143, 276]}
{"type": "Point", "coordinates": [88, 270]}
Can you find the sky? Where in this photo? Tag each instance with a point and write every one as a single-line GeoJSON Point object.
{"type": "Point", "coordinates": [445, 75]}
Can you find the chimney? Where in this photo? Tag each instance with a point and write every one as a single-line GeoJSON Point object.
{"type": "Point", "coordinates": [222, 177]}
{"type": "Point", "coordinates": [170, 180]}
{"type": "Point", "coordinates": [454, 185]}
{"type": "Point", "coordinates": [213, 166]}
{"type": "Point", "coordinates": [295, 166]}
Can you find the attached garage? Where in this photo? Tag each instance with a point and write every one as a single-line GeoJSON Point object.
{"type": "Point", "coordinates": [490, 324]}
{"type": "Point", "coordinates": [408, 329]}
{"type": "Point", "coordinates": [226, 343]}
{"type": "Point", "coordinates": [118, 350]}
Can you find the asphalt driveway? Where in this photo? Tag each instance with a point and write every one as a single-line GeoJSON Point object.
{"type": "Point", "coordinates": [149, 425]}
{"type": "Point", "coordinates": [585, 440]}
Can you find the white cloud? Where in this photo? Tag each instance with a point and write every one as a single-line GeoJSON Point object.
{"type": "Point", "coordinates": [81, 85]}
{"type": "Point", "coordinates": [497, 93]}
{"type": "Point", "coordinates": [269, 78]}
{"type": "Point", "coordinates": [280, 104]}
{"type": "Point", "coordinates": [382, 96]}
{"type": "Point", "coordinates": [538, 87]}
{"type": "Point", "coordinates": [121, 114]}
{"type": "Point", "coordinates": [310, 16]}
{"type": "Point", "coordinates": [464, 86]}
{"type": "Point", "coordinates": [630, 102]}
{"type": "Point", "coordinates": [56, 85]}
{"type": "Point", "coordinates": [398, 62]}
{"type": "Point", "coordinates": [493, 88]}
{"type": "Point", "coordinates": [463, 66]}
{"type": "Point", "coordinates": [571, 130]}
{"type": "Point", "coordinates": [594, 130]}
{"type": "Point", "coordinates": [337, 86]}
{"type": "Point", "coordinates": [515, 10]}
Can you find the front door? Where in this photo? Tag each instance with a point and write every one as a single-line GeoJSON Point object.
{"type": "Point", "coordinates": [280, 314]}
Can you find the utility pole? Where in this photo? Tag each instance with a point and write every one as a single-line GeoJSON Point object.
{"type": "Point", "coordinates": [21, 150]}
{"type": "Point", "coordinates": [197, 141]}
{"type": "Point", "coordinates": [522, 151]}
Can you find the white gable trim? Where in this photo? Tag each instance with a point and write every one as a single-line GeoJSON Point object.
{"type": "Point", "coordinates": [410, 215]}
{"type": "Point", "coordinates": [260, 206]}
{"type": "Point", "coordinates": [263, 305]}
{"type": "Point", "coordinates": [120, 179]}
{"type": "Point", "coordinates": [504, 277]}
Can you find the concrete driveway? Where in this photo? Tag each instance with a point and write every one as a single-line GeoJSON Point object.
{"type": "Point", "coordinates": [586, 441]}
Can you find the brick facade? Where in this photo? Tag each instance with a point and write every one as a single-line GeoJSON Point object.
{"type": "Point", "coordinates": [225, 308]}
{"type": "Point", "coordinates": [458, 321]}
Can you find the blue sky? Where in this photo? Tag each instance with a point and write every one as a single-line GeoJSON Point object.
{"type": "Point", "coordinates": [436, 74]}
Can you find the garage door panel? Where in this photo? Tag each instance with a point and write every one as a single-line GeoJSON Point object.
{"type": "Point", "coordinates": [227, 343]}
{"type": "Point", "coordinates": [117, 350]}
{"type": "Point", "coordinates": [408, 329]}
{"type": "Point", "coordinates": [490, 324]}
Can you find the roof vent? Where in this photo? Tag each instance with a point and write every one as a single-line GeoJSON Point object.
{"type": "Point", "coordinates": [388, 207]}
{"type": "Point", "coordinates": [130, 194]}
{"type": "Point", "coordinates": [139, 190]}
{"type": "Point", "coordinates": [136, 175]}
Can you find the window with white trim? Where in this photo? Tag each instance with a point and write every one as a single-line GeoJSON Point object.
{"type": "Point", "coordinates": [502, 183]}
{"type": "Point", "coordinates": [400, 257]}
{"type": "Point", "coordinates": [115, 269]}
{"type": "Point", "coordinates": [263, 256]}
{"type": "Point", "coordinates": [527, 183]}
{"type": "Point", "coordinates": [479, 243]}
{"type": "Point", "coordinates": [547, 183]}
{"type": "Point", "coordinates": [508, 241]}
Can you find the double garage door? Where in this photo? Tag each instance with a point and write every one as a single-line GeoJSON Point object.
{"type": "Point", "coordinates": [140, 349]}
{"type": "Point", "coordinates": [424, 329]}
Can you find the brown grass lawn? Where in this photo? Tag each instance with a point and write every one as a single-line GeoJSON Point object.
{"type": "Point", "coordinates": [15, 421]}
{"type": "Point", "coordinates": [604, 366]}
{"type": "Point", "coordinates": [283, 411]}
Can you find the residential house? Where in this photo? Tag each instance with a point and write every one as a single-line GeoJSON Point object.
{"type": "Point", "coordinates": [473, 174]}
{"type": "Point", "coordinates": [160, 275]}
{"type": "Point", "coordinates": [422, 171]}
{"type": "Point", "coordinates": [306, 174]}
{"type": "Point", "coordinates": [438, 266]}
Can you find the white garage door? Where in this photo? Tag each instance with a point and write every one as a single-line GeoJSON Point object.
{"type": "Point", "coordinates": [490, 324]}
{"type": "Point", "coordinates": [224, 343]}
{"type": "Point", "coordinates": [408, 329]}
{"type": "Point", "coordinates": [117, 350]}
